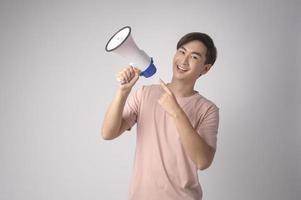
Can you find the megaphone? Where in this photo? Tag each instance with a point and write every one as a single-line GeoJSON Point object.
{"type": "Point", "coordinates": [123, 44]}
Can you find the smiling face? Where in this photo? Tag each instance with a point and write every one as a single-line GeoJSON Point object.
{"type": "Point", "coordinates": [189, 61]}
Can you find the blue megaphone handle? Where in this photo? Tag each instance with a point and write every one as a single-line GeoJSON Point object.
{"type": "Point", "coordinates": [150, 70]}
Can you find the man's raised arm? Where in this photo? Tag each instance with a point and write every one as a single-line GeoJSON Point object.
{"type": "Point", "coordinates": [113, 125]}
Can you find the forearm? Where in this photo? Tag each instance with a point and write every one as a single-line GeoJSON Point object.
{"type": "Point", "coordinates": [196, 148]}
{"type": "Point", "coordinates": [113, 117]}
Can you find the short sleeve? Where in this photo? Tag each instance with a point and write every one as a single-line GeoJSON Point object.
{"type": "Point", "coordinates": [208, 126]}
{"type": "Point", "coordinates": [131, 108]}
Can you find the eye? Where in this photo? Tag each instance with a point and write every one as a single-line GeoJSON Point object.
{"type": "Point", "coordinates": [181, 51]}
{"type": "Point", "coordinates": [195, 57]}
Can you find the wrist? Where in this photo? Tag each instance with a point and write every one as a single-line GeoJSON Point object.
{"type": "Point", "coordinates": [124, 91]}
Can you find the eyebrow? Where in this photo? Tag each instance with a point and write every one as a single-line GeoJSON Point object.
{"type": "Point", "coordinates": [197, 53]}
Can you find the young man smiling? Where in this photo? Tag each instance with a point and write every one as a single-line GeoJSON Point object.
{"type": "Point", "coordinates": [176, 126]}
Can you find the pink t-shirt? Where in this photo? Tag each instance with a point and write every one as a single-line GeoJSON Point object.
{"type": "Point", "coordinates": [162, 169]}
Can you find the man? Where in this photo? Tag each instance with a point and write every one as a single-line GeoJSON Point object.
{"type": "Point", "coordinates": [176, 126]}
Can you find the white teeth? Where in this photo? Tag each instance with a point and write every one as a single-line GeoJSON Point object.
{"type": "Point", "coordinates": [182, 68]}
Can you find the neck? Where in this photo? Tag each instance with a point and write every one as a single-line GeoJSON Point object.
{"type": "Point", "coordinates": [181, 88]}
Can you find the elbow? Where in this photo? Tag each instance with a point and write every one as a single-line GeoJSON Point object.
{"type": "Point", "coordinates": [204, 164]}
{"type": "Point", "coordinates": [105, 135]}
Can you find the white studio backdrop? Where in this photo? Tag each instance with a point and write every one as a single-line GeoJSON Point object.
{"type": "Point", "coordinates": [56, 81]}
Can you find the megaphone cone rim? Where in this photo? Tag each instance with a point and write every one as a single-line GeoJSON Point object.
{"type": "Point", "coordinates": [130, 30]}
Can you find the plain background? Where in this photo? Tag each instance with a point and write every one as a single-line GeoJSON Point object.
{"type": "Point", "coordinates": [56, 81]}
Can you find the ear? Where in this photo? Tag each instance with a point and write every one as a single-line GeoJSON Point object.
{"type": "Point", "coordinates": [206, 68]}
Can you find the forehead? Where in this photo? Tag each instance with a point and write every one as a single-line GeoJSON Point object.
{"type": "Point", "coordinates": [195, 46]}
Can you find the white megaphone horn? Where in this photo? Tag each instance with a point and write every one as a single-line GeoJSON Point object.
{"type": "Point", "coordinates": [123, 44]}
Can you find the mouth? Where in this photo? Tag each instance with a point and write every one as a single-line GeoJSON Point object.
{"type": "Point", "coordinates": [181, 69]}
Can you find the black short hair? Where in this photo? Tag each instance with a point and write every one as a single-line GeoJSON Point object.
{"type": "Point", "coordinates": [206, 40]}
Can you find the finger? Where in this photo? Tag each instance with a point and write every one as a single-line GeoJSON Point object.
{"type": "Point", "coordinates": [122, 82]}
{"type": "Point", "coordinates": [132, 71]}
{"type": "Point", "coordinates": [137, 71]}
{"type": "Point", "coordinates": [164, 86]}
{"type": "Point", "coordinates": [123, 77]}
{"type": "Point", "coordinates": [134, 80]}
{"type": "Point", "coordinates": [128, 75]}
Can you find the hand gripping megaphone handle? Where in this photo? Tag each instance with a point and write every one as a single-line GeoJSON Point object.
{"type": "Point", "coordinates": [148, 72]}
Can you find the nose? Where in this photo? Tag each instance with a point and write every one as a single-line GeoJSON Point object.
{"type": "Point", "coordinates": [184, 60]}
